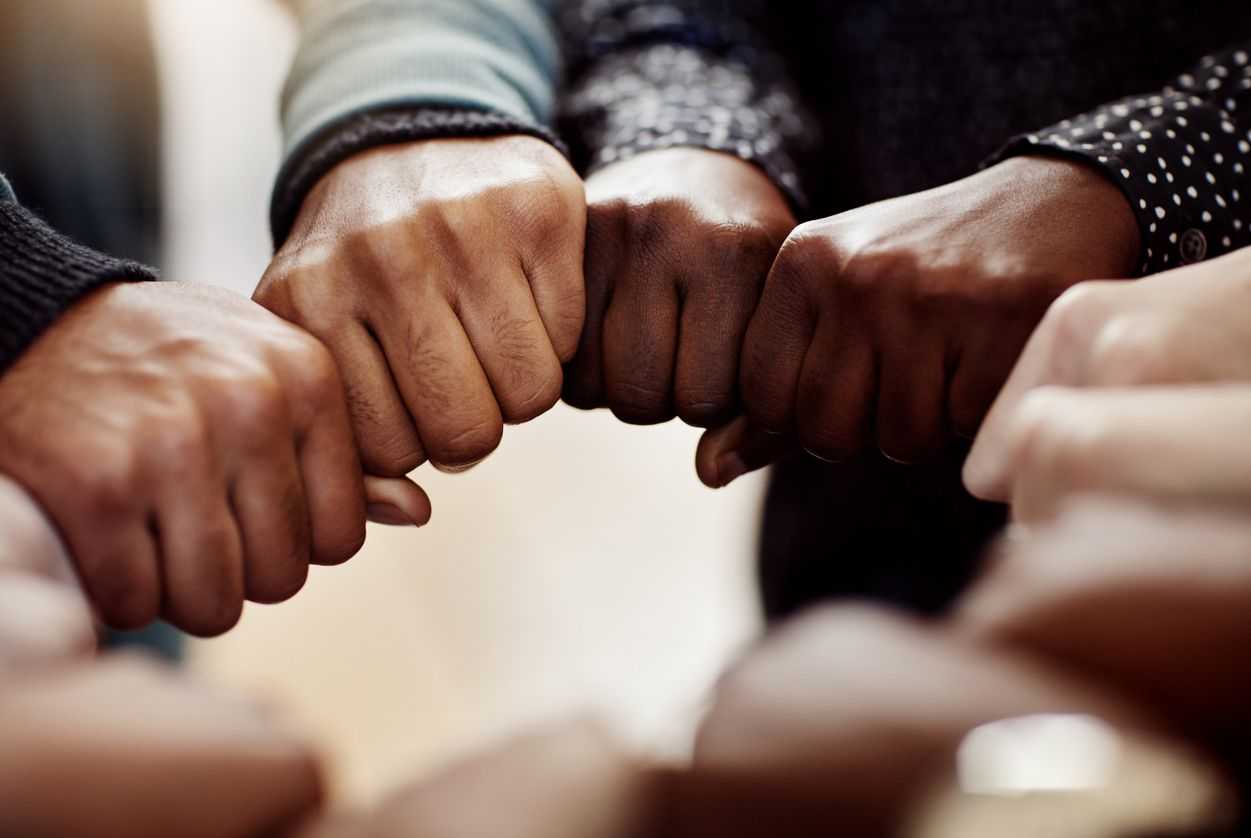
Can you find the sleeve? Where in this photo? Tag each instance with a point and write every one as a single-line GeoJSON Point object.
{"type": "Point", "coordinates": [654, 74]}
{"type": "Point", "coordinates": [373, 72]}
{"type": "Point", "coordinates": [43, 273]}
{"type": "Point", "coordinates": [1180, 155]}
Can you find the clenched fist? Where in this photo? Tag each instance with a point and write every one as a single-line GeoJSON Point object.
{"type": "Point", "coordinates": [126, 749]}
{"type": "Point", "coordinates": [896, 323]}
{"type": "Point", "coordinates": [445, 277]}
{"type": "Point", "coordinates": [191, 448]}
{"type": "Point", "coordinates": [678, 247]}
{"type": "Point", "coordinates": [1187, 326]}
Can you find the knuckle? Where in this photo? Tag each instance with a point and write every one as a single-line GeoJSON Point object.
{"type": "Point", "coordinates": [254, 404]}
{"type": "Point", "coordinates": [1047, 445]}
{"type": "Point", "coordinates": [125, 600]}
{"type": "Point", "coordinates": [1129, 351]}
{"type": "Point", "coordinates": [111, 482]}
{"type": "Point", "coordinates": [279, 588]}
{"type": "Point", "coordinates": [532, 396]}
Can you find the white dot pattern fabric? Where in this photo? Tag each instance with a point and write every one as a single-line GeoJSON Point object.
{"type": "Point", "coordinates": [1182, 156]}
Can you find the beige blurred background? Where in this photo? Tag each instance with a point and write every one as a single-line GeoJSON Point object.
{"type": "Point", "coordinates": [581, 569]}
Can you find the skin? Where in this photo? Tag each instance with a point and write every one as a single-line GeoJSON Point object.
{"type": "Point", "coordinates": [191, 449]}
{"type": "Point", "coordinates": [679, 243]}
{"type": "Point", "coordinates": [1142, 442]}
{"type": "Point", "coordinates": [445, 277]}
{"type": "Point", "coordinates": [1182, 327]}
{"type": "Point", "coordinates": [895, 324]}
{"type": "Point", "coordinates": [193, 763]}
{"type": "Point", "coordinates": [1127, 592]}
{"type": "Point", "coordinates": [793, 746]}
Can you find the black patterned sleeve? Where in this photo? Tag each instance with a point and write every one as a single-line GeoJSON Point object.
{"type": "Point", "coordinates": [655, 74]}
{"type": "Point", "coordinates": [1182, 156]}
{"type": "Point", "coordinates": [43, 273]}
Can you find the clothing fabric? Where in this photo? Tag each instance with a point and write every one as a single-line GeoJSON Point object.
{"type": "Point", "coordinates": [909, 94]}
{"type": "Point", "coordinates": [905, 95]}
{"type": "Point", "coordinates": [42, 273]}
{"type": "Point", "coordinates": [373, 72]}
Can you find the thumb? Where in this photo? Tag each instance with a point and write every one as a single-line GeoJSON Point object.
{"type": "Point", "coordinates": [727, 453]}
{"type": "Point", "coordinates": [396, 501]}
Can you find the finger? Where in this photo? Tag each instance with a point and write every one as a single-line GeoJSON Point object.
{"type": "Point", "coordinates": [776, 345]}
{"type": "Point", "coordinates": [713, 327]}
{"type": "Point", "coordinates": [272, 512]}
{"type": "Point", "coordinates": [1143, 442]}
{"type": "Point", "coordinates": [444, 386]}
{"type": "Point", "coordinates": [118, 563]}
{"type": "Point", "coordinates": [557, 285]}
{"type": "Point", "coordinates": [385, 433]}
{"type": "Point", "coordinates": [514, 350]}
{"type": "Point", "coordinates": [334, 490]}
{"type": "Point", "coordinates": [836, 394]}
{"type": "Point", "coordinates": [397, 502]}
{"type": "Point", "coordinates": [911, 422]}
{"type": "Point", "coordinates": [201, 550]}
{"type": "Point", "coordinates": [42, 622]}
{"type": "Point", "coordinates": [641, 344]}
{"type": "Point", "coordinates": [731, 451]}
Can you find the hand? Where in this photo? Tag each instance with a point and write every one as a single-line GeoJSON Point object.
{"type": "Point", "coordinates": [1183, 445]}
{"type": "Point", "coordinates": [849, 720]}
{"type": "Point", "coordinates": [678, 246]}
{"type": "Point", "coordinates": [1153, 600]}
{"type": "Point", "coordinates": [569, 781]}
{"type": "Point", "coordinates": [898, 322]}
{"type": "Point", "coordinates": [126, 749]}
{"type": "Point", "coordinates": [191, 448]}
{"type": "Point", "coordinates": [445, 276]}
{"type": "Point", "coordinates": [1186, 326]}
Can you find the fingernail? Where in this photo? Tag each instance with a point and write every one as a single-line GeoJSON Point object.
{"type": "Point", "coordinates": [456, 468]}
{"type": "Point", "coordinates": [817, 456]}
{"type": "Point", "coordinates": [388, 515]}
{"type": "Point", "coordinates": [730, 467]}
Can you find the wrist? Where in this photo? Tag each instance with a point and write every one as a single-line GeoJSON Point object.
{"type": "Point", "coordinates": [1073, 194]}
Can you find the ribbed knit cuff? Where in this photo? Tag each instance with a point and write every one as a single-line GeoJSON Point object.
{"type": "Point", "coordinates": [310, 163]}
{"type": "Point", "coordinates": [43, 273]}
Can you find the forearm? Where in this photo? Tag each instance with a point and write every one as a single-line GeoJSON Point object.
{"type": "Point", "coordinates": [43, 273]}
{"type": "Point", "coordinates": [376, 72]}
{"type": "Point", "coordinates": [680, 73]}
{"type": "Point", "coordinates": [1181, 155]}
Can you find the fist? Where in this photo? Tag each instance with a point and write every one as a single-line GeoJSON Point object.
{"type": "Point", "coordinates": [678, 246]}
{"type": "Point", "coordinates": [895, 323]}
{"type": "Point", "coordinates": [126, 749]}
{"type": "Point", "coordinates": [1182, 327]}
{"type": "Point", "coordinates": [445, 277]}
{"type": "Point", "coordinates": [192, 449]}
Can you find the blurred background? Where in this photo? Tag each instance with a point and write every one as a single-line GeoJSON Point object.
{"type": "Point", "coordinates": [581, 569]}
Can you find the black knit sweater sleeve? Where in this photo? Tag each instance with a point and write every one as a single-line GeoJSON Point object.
{"type": "Point", "coordinates": [43, 273]}
{"type": "Point", "coordinates": [1181, 155]}
{"type": "Point", "coordinates": [654, 74]}
{"type": "Point", "coordinates": [341, 140]}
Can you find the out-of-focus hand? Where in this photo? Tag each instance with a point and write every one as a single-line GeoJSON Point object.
{"type": "Point", "coordinates": [1175, 444]}
{"type": "Point", "coordinates": [123, 748]}
{"type": "Point", "coordinates": [896, 323]}
{"type": "Point", "coordinates": [844, 721]}
{"type": "Point", "coordinates": [678, 247]}
{"type": "Point", "coordinates": [44, 617]}
{"type": "Point", "coordinates": [1186, 326]}
{"type": "Point", "coordinates": [192, 449]}
{"type": "Point", "coordinates": [445, 277]}
{"type": "Point", "coordinates": [1153, 600]}
{"type": "Point", "coordinates": [569, 781]}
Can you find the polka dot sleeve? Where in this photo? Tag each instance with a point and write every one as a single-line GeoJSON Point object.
{"type": "Point", "coordinates": [654, 75]}
{"type": "Point", "coordinates": [1182, 156]}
